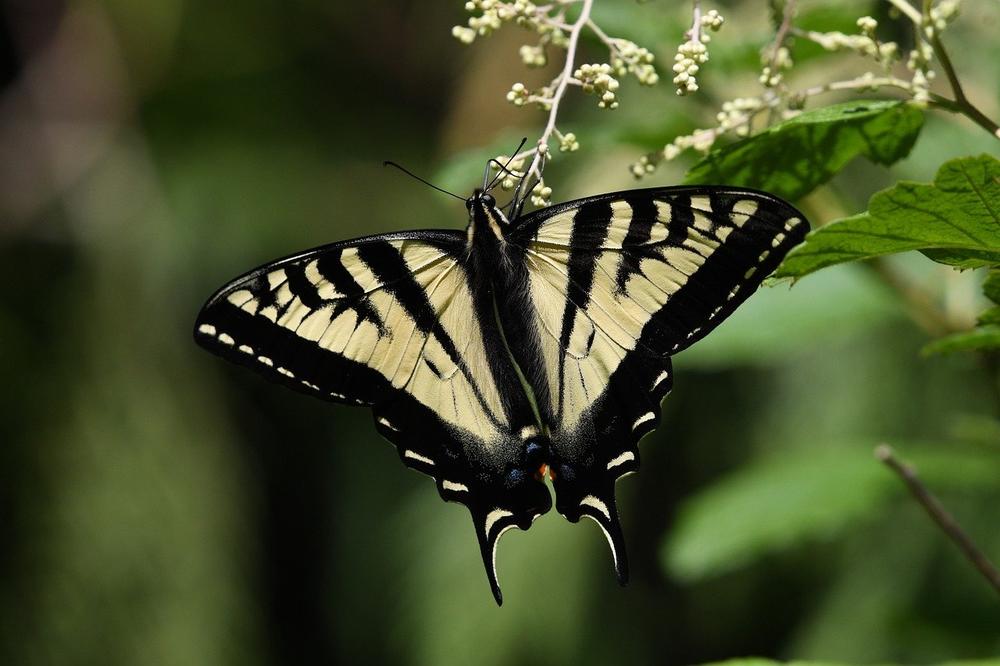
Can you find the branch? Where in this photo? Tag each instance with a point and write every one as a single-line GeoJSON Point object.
{"type": "Point", "coordinates": [910, 11]}
{"type": "Point", "coordinates": [962, 103]}
{"type": "Point", "coordinates": [939, 514]}
{"type": "Point", "coordinates": [694, 34]}
{"type": "Point", "coordinates": [564, 81]}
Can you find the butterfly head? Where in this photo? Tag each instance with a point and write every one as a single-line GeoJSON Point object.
{"type": "Point", "coordinates": [485, 215]}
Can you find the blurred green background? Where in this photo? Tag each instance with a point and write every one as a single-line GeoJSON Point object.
{"type": "Point", "coordinates": [161, 507]}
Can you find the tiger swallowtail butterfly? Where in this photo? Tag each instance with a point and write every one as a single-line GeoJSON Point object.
{"type": "Point", "coordinates": [524, 346]}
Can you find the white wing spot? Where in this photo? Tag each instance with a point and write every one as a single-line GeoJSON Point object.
{"type": "Point", "coordinates": [763, 255]}
{"type": "Point", "coordinates": [413, 455]}
{"type": "Point", "coordinates": [715, 312]}
{"type": "Point", "coordinates": [246, 349]}
{"type": "Point", "coordinates": [492, 517]}
{"type": "Point", "coordinates": [693, 332]}
{"type": "Point", "coordinates": [240, 297]}
{"type": "Point", "coordinates": [753, 269]}
{"type": "Point", "coordinates": [592, 501]}
{"type": "Point", "coordinates": [384, 421]}
{"type": "Point", "coordinates": [792, 223]}
{"type": "Point", "coordinates": [528, 432]}
{"type": "Point", "coordinates": [742, 210]}
{"type": "Point", "coordinates": [732, 294]}
{"type": "Point", "coordinates": [777, 240]}
{"type": "Point", "coordinates": [310, 385]}
{"type": "Point", "coordinates": [493, 560]}
{"type": "Point", "coordinates": [451, 485]}
{"type": "Point", "coordinates": [659, 379]}
{"type": "Point", "coordinates": [286, 372]}
{"type": "Point", "coordinates": [275, 278]}
{"type": "Point", "coordinates": [614, 553]}
{"type": "Point", "coordinates": [621, 460]}
{"type": "Point", "coordinates": [206, 329]}
{"type": "Point", "coordinates": [648, 416]}
{"type": "Point", "coordinates": [266, 361]}
{"type": "Point", "coordinates": [226, 339]}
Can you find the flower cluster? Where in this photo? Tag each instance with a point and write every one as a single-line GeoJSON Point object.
{"type": "Point", "coordinates": [541, 194]}
{"type": "Point", "coordinates": [777, 101]}
{"type": "Point", "coordinates": [774, 62]}
{"type": "Point", "coordinates": [693, 53]}
{"type": "Point", "coordinates": [568, 142]}
{"type": "Point", "coordinates": [513, 172]}
{"type": "Point", "coordinates": [919, 62]}
{"type": "Point", "coordinates": [533, 56]}
{"type": "Point", "coordinates": [597, 79]}
{"type": "Point", "coordinates": [518, 95]}
{"type": "Point", "coordinates": [940, 16]}
{"type": "Point", "coordinates": [490, 15]}
{"type": "Point", "coordinates": [550, 23]}
{"type": "Point", "coordinates": [630, 58]}
{"type": "Point", "coordinates": [864, 44]}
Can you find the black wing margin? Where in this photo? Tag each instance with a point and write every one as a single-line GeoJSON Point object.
{"type": "Point", "coordinates": [620, 282]}
{"type": "Point", "coordinates": [384, 321]}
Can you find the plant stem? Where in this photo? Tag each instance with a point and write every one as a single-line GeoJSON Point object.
{"type": "Point", "coordinates": [560, 92]}
{"type": "Point", "coordinates": [961, 102]}
{"type": "Point", "coordinates": [908, 9]}
{"type": "Point", "coordinates": [940, 515]}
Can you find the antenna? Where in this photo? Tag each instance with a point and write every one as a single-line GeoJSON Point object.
{"type": "Point", "coordinates": [493, 182]}
{"type": "Point", "coordinates": [415, 176]}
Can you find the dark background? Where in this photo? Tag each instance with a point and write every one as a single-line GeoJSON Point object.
{"type": "Point", "coordinates": [160, 507]}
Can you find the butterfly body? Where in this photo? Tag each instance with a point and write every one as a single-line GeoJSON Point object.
{"type": "Point", "coordinates": [521, 347]}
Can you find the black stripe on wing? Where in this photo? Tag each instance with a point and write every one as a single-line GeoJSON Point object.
{"type": "Point", "coordinates": [746, 254]}
{"type": "Point", "coordinates": [655, 270]}
{"type": "Point", "coordinates": [295, 321]}
{"type": "Point", "coordinates": [253, 333]}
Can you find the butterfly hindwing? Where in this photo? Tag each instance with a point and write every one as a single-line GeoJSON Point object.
{"type": "Point", "coordinates": [393, 322]}
{"type": "Point", "coordinates": [619, 283]}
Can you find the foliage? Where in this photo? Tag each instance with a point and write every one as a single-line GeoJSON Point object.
{"type": "Point", "coordinates": [955, 220]}
{"type": "Point", "coordinates": [163, 509]}
{"type": "Point", "coordinates": [814, 146]}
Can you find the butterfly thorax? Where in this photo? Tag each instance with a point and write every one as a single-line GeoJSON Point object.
{"type": "Point", "coordinates": [486, 222]}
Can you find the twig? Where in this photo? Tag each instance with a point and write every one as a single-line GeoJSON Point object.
{"type": "Point", "coordinates": [939, 514]}
{"type": "Point", "coordinates": [694, 34]}
{"type": "Point", "coordinates": [787, 15]}
{"type": "Point", "coordinates": [962, 102]}
{"type": "Point", "coordinates": [910, 11]}
{"type": "Point", "coordinates": [557, 96]}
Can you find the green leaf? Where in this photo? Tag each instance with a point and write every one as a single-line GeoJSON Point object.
{"type": "Point", "coordinates": [793, 157]}
{"type": "Point", "coordinates": [804, 495]}
{"type": "Point", "coordinates": [760, 661]}
{"type": "Point", "coordinates": [959, 213]}
{"type": "Point", "coordinates": [991, 287]}
{"type": "Point", "coordinates": [964, 259]}
{"type": "Point", "coordinates": [772, 504]}
{"type": "Point", "coordinates": [978, 339]}
{"type": "Point", "coordinates": [991, 316]}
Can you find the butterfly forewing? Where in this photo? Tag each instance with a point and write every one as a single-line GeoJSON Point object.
{"type": "Point", "coordinates": [392, 322]}
{"type": "Point", "coordinates": [619, 283]}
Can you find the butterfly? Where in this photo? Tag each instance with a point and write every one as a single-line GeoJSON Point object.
{"type": "Point", "coordinates": [522, 347]}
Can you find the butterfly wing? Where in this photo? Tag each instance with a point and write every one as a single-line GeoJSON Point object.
{"type": "Point", "coordinates": [620, 282]}
{"type": "Point", "coordinates": [393, 322]}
